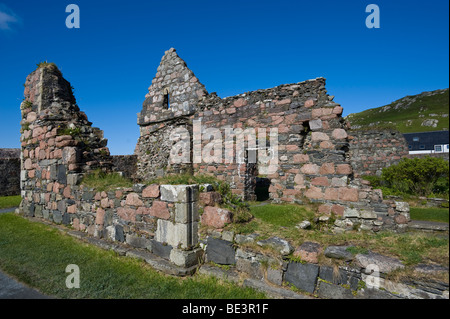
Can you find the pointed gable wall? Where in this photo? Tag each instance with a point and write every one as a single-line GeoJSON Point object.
{"type": "Point", "coordinates": [177, 84]}
{"type": "Point", "coordinates": [174, 78]}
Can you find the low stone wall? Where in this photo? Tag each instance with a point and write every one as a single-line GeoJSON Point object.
{"type": "Point", "coordinates": [9, 172]}
{"type": "Point", "coordinates": [162, 219]}
{"type": "Point", "coordinates": [362, 278]}
{"type": "Point", "coordinates": [373, 150]}
{"type": "Point", "coordinates": [439, 155]}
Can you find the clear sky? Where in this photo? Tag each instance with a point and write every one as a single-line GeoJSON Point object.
{"type": "Point", "coordinates": [232, 47]}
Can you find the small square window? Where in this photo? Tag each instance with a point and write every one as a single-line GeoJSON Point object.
{"type": "Point", "coordinates": [422, 147]}
{"type": "Point", "coordinates": [415, 139]}
{"type": "Point", "coordinates": [410, 147]}
{"type": "Point", "coordinates": [438, 148]}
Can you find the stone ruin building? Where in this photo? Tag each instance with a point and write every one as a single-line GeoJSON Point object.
{"type": "Point", "coordinates": [319, 160]}
{"type": "Point", "coordinates": [314, 151]}
{"type": "Point", "coordinates": [314, 146]}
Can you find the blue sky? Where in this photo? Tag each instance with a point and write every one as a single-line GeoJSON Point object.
{"type": "Point", "coordinates": [232, 47]}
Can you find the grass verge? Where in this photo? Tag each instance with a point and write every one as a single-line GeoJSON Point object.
{"type": "Point", "coordinates": [38, 256]}
{"type": "Point", "coordinates": [430, 214]}
{"type": "Point", "coordinates": [10, 201]}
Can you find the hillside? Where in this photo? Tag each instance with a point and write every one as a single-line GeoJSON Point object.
{"type": "Point", "coordinates": [427, 111]}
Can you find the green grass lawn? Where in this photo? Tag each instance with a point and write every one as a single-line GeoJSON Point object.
{"type": "Point", "coordinates": [38, 255]}
{"type": "Point", "coordinates": [430, 214]}
{"type": "Point", "coordinates": [284, 215]}
{"type": "Point", "coordinates": [10, 201]}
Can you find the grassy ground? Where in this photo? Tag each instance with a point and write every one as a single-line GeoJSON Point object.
{"type": "Point", "coordinates": [280, 220]}
{"type": "Point", "coordinates": [10, 201]}
{"type": "Point", "coordinates": [38, 255]}
{"type": "Point", "coordinates": [430, 214]}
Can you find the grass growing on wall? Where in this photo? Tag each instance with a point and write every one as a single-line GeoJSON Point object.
{"type": "Point", "coordinates": [38, 255]}
{"type": "Point", "coordinates": [10, 201]}
{"type": "Point", "coordinates": [105, 181]}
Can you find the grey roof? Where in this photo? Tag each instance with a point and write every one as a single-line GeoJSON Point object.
{"type": "Point", "coordinates": [426, 140]}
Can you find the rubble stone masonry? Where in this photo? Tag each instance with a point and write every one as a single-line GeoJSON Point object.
{"type": "Point", "coordinates": [314, 157]}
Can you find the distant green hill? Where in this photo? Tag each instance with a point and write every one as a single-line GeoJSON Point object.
{"type": "Point", "coordinates": [424, 112]}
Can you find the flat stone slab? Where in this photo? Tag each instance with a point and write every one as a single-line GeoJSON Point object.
{"type": "Point", "coordinates": [279, 244]}
{"type": "Point", "coordinates": [302, 276]}
{"type": "Point", "coordinates": [273, 292]}
{"type": "Point", "coordinates": [160, 264]}
{"type": "Point", "coordinates": [230, 274]}
{"type": "Point", "coordinates": [12, 289]}
{"type": "Point", "coordinates": [428, 225]}
{"type": "Point", "coordinates": [385, 264]}
{"type": "Point", "coordinates": [7, 210]}
{"type": "Point", "coordinates": [220, 251]}
{"type": "Point", "coordinates": [430, 268]}
{"type": "Point", "coordinates": [338, 252]}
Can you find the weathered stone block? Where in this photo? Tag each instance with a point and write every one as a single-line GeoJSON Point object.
{"type": "Point", "coordinates": [315, 125]}
{"type": "Point", "coordinates": [138, 242]}
{"type": "Point", "coordinates": [186, 212]}
{"type": "Point", "coordinates": [159, 209]}
{"type": "Point", "coordinates": [220, 251]}
{"type": "Point", "coordinates": [161, 250]}
{"type": "Point", "coordinates": [351, 213]}
{"type": "Point", "coordinates": [279, 244]}
{"type": "Point", "coordinates": [151, 191]}
{"type": "Point", "coordinates": [185, 258]}
{"type": "Point", "coordinates": [252, 268]}
{"type": "Point", "coordinates": [119, 235]}
{"type": "Point", "coordinates": [57, 216]}
{"type": "Point", "coordinates": [402, 206]}
{"type": "Point", "coordinates": [302, 276]}
{"type": "Point", "coordinates": [216, 217]}
{"type": "Point", "coordinates": [310, 169]}
{"type": "Point", "coordinates": [275, 276]}
{"type": "Point", "coordinates": [210, 198]}
{"type": "Point", "coordinates": [338, 252]}
{"type": "Point", "coordinates": [309, 252]}
{"type": "Point", "coordinates": [175, 234]}
{"type": "Point", "coordinates": [331, 291]}
{"type": "Point", "coordinates": [127, 213]}
{"type": "Point", "coordinates": [319, 136]}
{"type": "Point", "coordinates": [384, 264]}
{"type": "Point", "coordinates": [179, 193]}
{"type": "Point", "coordinates": [133, 200]}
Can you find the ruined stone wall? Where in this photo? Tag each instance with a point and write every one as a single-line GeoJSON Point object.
{"type": "Point", "coordinates": [126, 164]}
{"type": "Point", "coordinates": [171, 100]}
{"type": "Point", "coordinates": [9, 172]}
{"type": "Point", "coordinates": [59, 147]}
{"type": "Point", "coordinates": [312, 143]}
{"type": "Point", "coordinates": [364, 276]}
{"type": "Point", "coordinates": [373, 150]}
{"type": "Point", "coordinates": [311, 137]}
